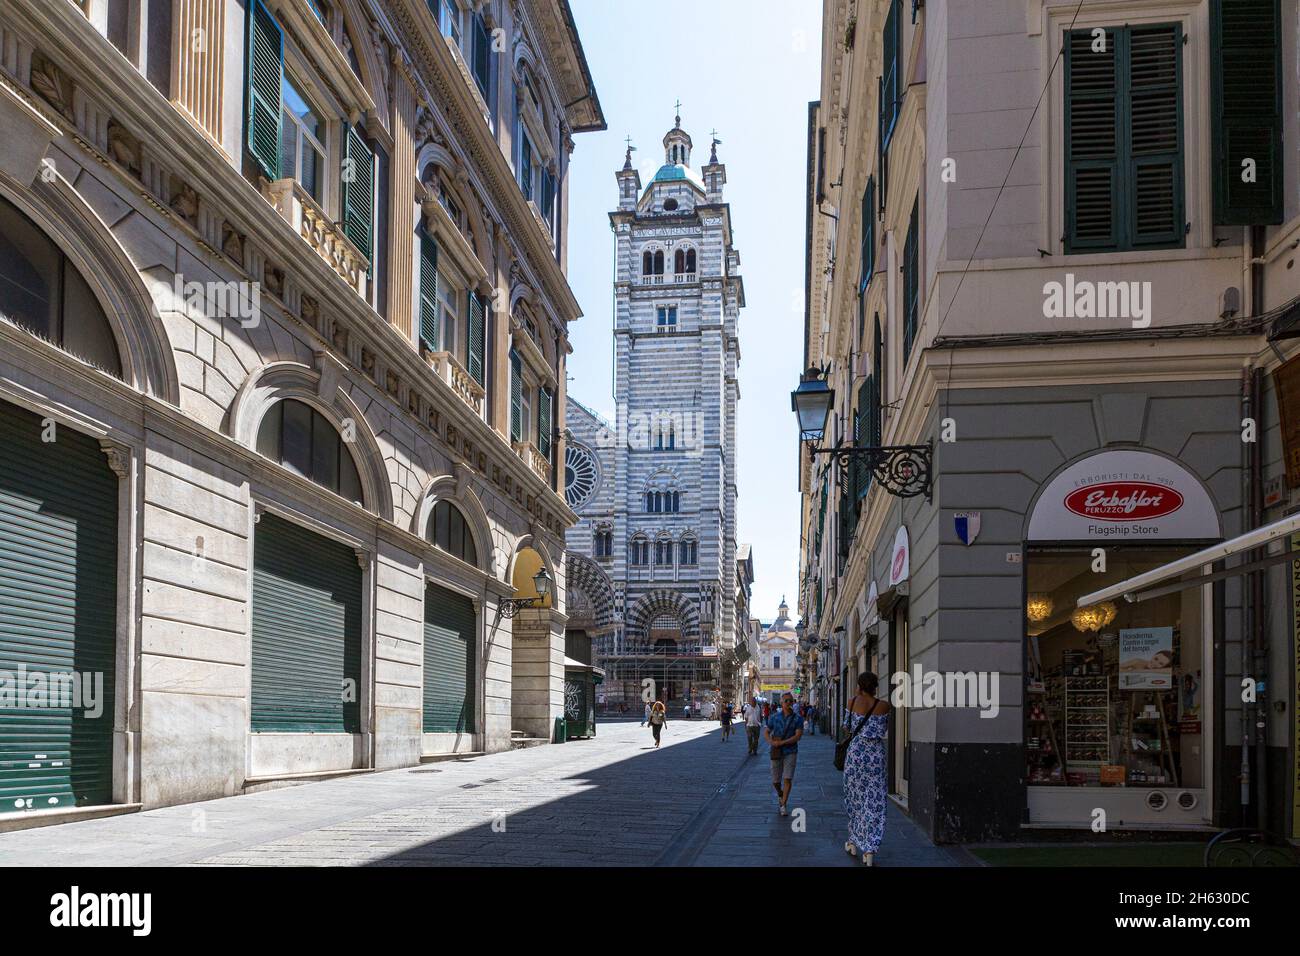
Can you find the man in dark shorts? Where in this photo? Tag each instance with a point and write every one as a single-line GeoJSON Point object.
{"type": "Point", "coordinates": [783, 730]}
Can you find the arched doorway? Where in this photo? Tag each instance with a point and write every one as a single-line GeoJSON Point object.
{"type": "Point", "coordinates": [537, 672]}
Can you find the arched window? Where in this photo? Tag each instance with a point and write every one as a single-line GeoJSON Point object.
{"type": "Point", "coordinates": [306, 442]}
{"type": "Point", "coordinates": [664, 553]}
{"type": "Point", "coordinates": [449, 530]}
{"type": "Point", "coordinates": [647, 263]}
{"type": "Point", "coordinates": [659, 262]}
{"type": "Point", "coordinates": [676, 501]}
{"type": "Point", "coordinates": [640, 552]}
{"type": "Point", "coordinates": [42, 292]}
{"type": "Point", "coordinates": [690, 260]}
{"type": "Point", "coordinates": [672, 436]}
{"type": "Point", "coordinates": [604, 543]}
{"type": "Point", "coordinates": [679, 261]}
{"type": "Point", "coordinates": [688, 553]}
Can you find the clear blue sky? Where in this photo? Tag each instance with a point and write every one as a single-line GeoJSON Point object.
{"type": "Point", "coordinates": [747, 68]}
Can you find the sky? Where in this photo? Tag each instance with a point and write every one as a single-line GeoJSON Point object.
{"type": "Point", "coordinates": [748, 69]}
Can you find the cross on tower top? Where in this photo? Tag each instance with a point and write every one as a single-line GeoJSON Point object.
{"type": "Point", "coordinates": [678, 107]}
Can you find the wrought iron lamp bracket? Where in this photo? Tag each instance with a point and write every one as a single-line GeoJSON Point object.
{"type": "Point", "coordinates": [905, 471]}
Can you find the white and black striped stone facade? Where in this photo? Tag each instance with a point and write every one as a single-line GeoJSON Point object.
{"type": "Point", "coordinates": [660, 481]}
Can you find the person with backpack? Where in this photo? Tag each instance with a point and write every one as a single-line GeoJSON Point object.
{"type": "Point", "coordinates": [658, 717]}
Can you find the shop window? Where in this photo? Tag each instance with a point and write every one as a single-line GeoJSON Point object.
{"type": "Point", "coordinates": [42, 292]}
{"type": "Point", "coordinates": [1116, 693]}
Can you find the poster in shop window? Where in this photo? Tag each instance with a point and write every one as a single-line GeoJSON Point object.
{"type": "Point", "coordinates": [1146, 658]}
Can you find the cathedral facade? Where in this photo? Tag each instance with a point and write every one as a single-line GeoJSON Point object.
{"type": "Point", "coordinates": [655, 549]}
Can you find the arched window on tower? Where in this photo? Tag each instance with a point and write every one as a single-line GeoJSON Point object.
{"type": "Point", "coordinates": [688, 552]}
{"type": "Point", "coordinates": [664, 553]}
{"type": "Point", "coordinates": [659, 262]}
{"type": "Point", "coordinates": [690, 260]}
{"type": "Point", "coordinates": [679, 261]}
{"type": "Point", "coordinates": [672, 436]}
{"type": "Point", "coordinates": [647, 263]}
{"type": "Point", "coordinates": [639, 555]}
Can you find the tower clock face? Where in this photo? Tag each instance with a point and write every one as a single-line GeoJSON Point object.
{"type": "Point", "coordinates": [581, 475]}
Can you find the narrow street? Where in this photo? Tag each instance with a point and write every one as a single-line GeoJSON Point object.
{"type": "Point", "coordinates": [612, 800]}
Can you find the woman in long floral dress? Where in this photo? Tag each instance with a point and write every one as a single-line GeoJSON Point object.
{"type": "Point", "coordinates": [864, 770]}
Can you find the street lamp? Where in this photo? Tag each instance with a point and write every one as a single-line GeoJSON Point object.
{"type": "Point", "coordinates": [542, 582]}
{"type": "Point", "coordinates": [902, 470]}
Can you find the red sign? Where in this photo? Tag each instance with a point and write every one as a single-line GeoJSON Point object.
{"type": "Point", "coordinates": [1124, 501]}
{"type": "Point", "coordinates": [899, 557]}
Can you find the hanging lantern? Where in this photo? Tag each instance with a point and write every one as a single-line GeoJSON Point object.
{"type": "Point", "coordinates": [1039, 607]}
{"type": "Point", "coordinates": [1094, 617]}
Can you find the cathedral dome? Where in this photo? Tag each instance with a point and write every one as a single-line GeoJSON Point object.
{"type": "Point", "coordinates": [677, 172]}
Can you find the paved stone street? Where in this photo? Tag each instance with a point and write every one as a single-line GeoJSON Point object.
{"type": "Point", "coordinates": [609, 801]}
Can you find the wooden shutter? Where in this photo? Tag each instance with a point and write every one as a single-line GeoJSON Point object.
{"type": "Point", "coordinates": [358, 188]}
{"type": "Point", "coordinates": [868, 253]}
{"type": "Point", "coordinates": [1155, 112]}
{"type": "Point", "coordinates": [911, 283]}
{"type": "Point", "coordinates": [306, 645]}
{"type": "Point", "coordinates": [265, 71]}
{"type": "Point", "coordinates": [1246, 103]}
{"type": "Point", "coordinates": [449, 674]}
{"type": "Point", "coordinates": [477, 336]}
{"type": "Point", "coordinates": [891, 73]}
{"type": "Point", "coordinates": [482, 55]}
{"type": "Point", "coordinates": [58, 612]}
{"type": "Point", "coordinates": [516, 397]}
{"type": "Point", "coordinates": [525, 167]}
{"type": "Point", "coordinates": [1092, 147]}
{"type": "Point", "coordinates": [428, 292]}
{"type": "Point", "coordinates": [544, 425]}
{"type": "Point", "coordinates": [862, 437]}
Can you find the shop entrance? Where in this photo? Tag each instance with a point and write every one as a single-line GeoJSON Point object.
{"type": "Point", "coordinates": [1117, 695]}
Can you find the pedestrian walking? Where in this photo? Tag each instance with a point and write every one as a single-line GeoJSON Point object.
{"type": "Point", "coordinates": [726, 720]}
{"type": "Point", "coordinates": [645, 718]}
{"type": "Point", "coordinates": [810, 720]}
{"type": "Point", "coordinates": [657, 718]}
{"type": "Point", "coordinates": [867, 720]}
{"type": "Point", "coordinates": [783, 731]}
{"type": "Point", "coordinates": [753, 725]}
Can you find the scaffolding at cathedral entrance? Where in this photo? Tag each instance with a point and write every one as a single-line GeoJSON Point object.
{"type": "Point", "coordinates": [684, 675]}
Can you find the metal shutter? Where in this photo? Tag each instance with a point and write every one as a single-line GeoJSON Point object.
{"type": "Point", "coordinates": [448, 661]}
{"type": "Point", "coordinates": [306, 631]}
{"type": "Point", "coordinates": [58, 607]}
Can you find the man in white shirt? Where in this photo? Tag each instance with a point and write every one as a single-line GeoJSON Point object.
{"type": "Point", "coordinates": [753, 725]}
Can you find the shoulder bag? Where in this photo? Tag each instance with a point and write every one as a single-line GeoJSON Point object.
{"type": "Point", "coordinates": [842, 746]}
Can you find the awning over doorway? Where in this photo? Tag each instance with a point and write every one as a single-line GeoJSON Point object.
{"type": "Point", "coordinates": [1132, 588]}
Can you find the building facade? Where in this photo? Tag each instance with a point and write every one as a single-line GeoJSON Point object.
{"type": "Point", "coordinates": [1063, 301]}
{"type": "Point", "coordinates": [281, 387]}
{"type": "Point", "coordinates": [656, 489]}
{"type": "Point", "coordinates": [778, 658]}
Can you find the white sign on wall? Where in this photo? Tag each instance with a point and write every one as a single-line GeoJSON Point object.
{"type": "Point", "coordinates": [1124, 496]}
{"type": "Point", "coordinates": [900, 563]}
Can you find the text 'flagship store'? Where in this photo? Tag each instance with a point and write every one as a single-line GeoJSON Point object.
{"type": "Point", "coordinates": [1119, 710]}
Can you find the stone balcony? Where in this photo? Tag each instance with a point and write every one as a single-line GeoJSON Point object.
{"type": "Point", "coordinates": [535, 459]}
{"type": "Point", "coordinates": [446, 367]}
{"type": "Point", "coordinates": [300, 210]}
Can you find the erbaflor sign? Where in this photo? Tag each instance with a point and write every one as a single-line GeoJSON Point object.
{"type": "Point", "coordinates": [1125, 495]}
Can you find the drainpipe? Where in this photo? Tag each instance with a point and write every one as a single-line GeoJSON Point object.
{"type": "Point", "coordinates": [1248, 594]}
{"type": "Point", "coordinates": [1260, 635]}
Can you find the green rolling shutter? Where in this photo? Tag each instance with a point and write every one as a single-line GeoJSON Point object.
{"type": "Point", "coordinates": [58, 613]}
{"type": "Point", "coordinates": [265, 72]}
{"type": "Point", "coordinates": [544, 424]}
{"type": "Point", "coordinates": [449, 684]}
{"type": "Point", "coordinates": [358, 187]}
{"type": "Point", "coordinates": [516, 397]}
{"type": "Point", "coordinates": [1246, 88]}
{"type": "Point", "coordinates": [477, 337]}
{"type": "Point", "coordinates": [428, 292]}
{"type": "Point", "coordinates": [307, 605]}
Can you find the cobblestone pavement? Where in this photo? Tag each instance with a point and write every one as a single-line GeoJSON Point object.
{"type": "Point", "coordinates": [609, 801]}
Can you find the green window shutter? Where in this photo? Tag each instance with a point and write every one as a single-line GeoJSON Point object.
{"type": "Point", "coordinates": [357, 180]}
{"type": "Point", "coordinates": [525, 167]}
{"type": "Point", "coordinates": [1155, 134]}
{"type": "Point", "coordinates": [449, 673]}
{"type": "Point", "coordinates": [1092, 148]}
{"type": "Point", "coordinates": [1246, 103]}
{"type": "Point", "coordinates": [265, 71]}
{"type": "Point", "coordinates": [862, 437]}
{"type": "Point", "coordinates": [516, 397]}
{"type": "Point", "coordinates": [911, 284]}
{"type": "Point", "coordinates": [482, 53]}
{"type": "Point", "coordinates": [868, 254]}
{"type": "Point", "coordinates": [544, 425]}
{"type": "Point", "coordinates": [878, 383]}
{"type": "Point", "coordinates": [1123, 140]}
{"type": "Point", "coordinates": [477, 337]}
{"type": "Point", "coordinates": [306, 631]}
{"type": "Point", "coordinates": [428, 292]}
{"type": "Point", "coordinates": [890, 74]}
{"type": "Point", "coordinates": [882, 154]}
{"type": "Point", "coordinates": [58, 612]}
